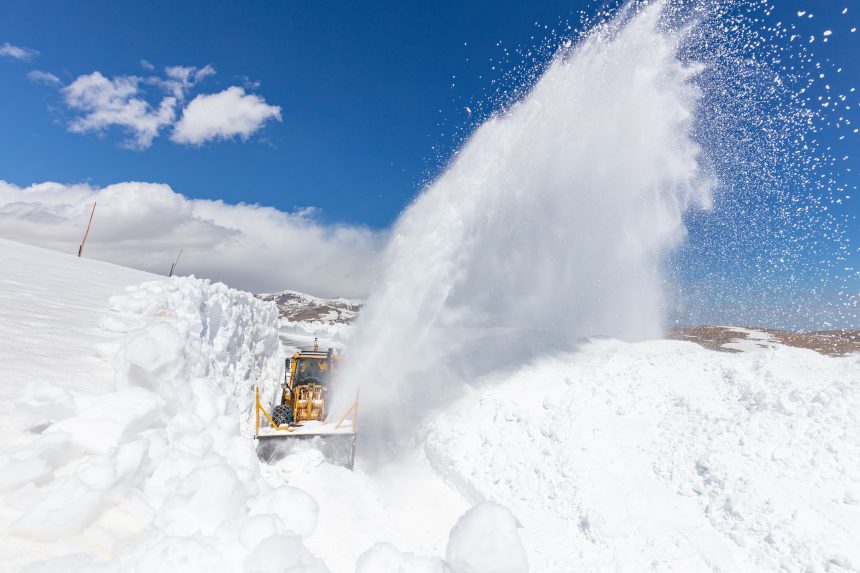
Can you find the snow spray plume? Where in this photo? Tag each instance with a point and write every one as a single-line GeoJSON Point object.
{"type": "Point", "coordinates": [550, 224]}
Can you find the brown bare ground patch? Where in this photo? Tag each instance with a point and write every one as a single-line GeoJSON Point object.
{"type": "Point", "coordinates": [830, 342]}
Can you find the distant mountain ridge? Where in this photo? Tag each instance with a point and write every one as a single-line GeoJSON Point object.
{"type": "Point", "coordinates": [301, 307]}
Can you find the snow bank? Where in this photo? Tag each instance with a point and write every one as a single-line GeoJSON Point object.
{"type": "Point", "coordinates": [156, 475]}
{"type": "Point", "coordinates": [666, 456]}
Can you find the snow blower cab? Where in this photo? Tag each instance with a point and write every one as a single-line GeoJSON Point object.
{"type": "Point", "coordinates": [305, 386]}
{"type": "Point", "coordinates": [301, 411]}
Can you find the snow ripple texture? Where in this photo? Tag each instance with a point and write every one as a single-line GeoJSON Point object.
{"type": "Point", "coordinates": [156, 475]}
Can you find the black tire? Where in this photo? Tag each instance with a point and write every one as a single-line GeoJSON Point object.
{"type": "Point", "coordinates": [282, 415]}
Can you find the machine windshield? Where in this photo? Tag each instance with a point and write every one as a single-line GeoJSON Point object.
{"type": "Point", "coordinates": [311, 369]}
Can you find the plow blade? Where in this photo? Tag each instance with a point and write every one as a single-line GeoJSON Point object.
{"type": "Point", "coordinates": [337, 448]}
{"type": "Point", "coordinates": [335, 440]}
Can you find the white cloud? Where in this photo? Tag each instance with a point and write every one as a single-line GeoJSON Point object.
{"type": "Point", "coordinates": [224, 115]}
{"type": "Point", "coordinates": [146, 65]}
{"type": "Point", "coordinates": [143, 225]}
{"type": "Point", "coordinates": [101, 103]}
{"type": "Point", "coordinates": [179, 79]}
{"type": "Point", "coordinates": [116, 102]}
{"type": "Point", "coordinates": [44, 78]}
{"type": "Point", "coordinates": [18, 53]}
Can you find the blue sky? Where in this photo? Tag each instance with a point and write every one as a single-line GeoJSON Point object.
{"type": "Point", "coordinates": [352, 107]}
{"type": "Point", "coordinates": [364, 88]}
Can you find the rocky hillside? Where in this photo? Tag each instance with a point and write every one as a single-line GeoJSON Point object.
{"type": "Point", "coordinates": [300, 307]}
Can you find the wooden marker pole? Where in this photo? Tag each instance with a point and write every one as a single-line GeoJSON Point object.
{"type": "Point", "coordinates": [87, 232]}
{"type": "Point", "coordinates": [176, 262]}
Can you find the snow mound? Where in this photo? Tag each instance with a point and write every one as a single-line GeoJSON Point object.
{"type": "Point", "coordinates": [156, 474]}
{"type": "Point", "coordinates": [666, 456]}
{"type": "Point", "coordinates": [386, 557]}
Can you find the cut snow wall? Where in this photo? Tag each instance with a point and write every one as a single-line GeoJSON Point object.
{"type": "Point", "coordinates": [188, 329]}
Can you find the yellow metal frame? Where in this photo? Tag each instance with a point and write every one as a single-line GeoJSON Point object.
{"type": "Point", "coordinates": [259, 408]}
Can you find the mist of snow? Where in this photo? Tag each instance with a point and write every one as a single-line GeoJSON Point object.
{"type": "Point", "coordinates": [566, 214]}
{"type": "Point", "coordinates": [552, 222]}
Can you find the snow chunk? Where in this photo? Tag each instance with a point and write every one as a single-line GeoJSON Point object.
{"type": "Point", "coordinates": [385, 557]}
{"type": "Point", "coordinates": [280, 553]}
{"type": "Point", "coordinates": [15, 473]}
{"type": "Point", "coordinates": [205, 499]}
{"type": "Point", "coordinates": [485, 540]}
{"type": "Point", "coordinates": [107, 420]}
{"type": "Point", "coordinates": [298, 510]}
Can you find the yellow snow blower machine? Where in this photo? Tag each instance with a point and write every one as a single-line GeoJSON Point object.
{"type": "Point", "coordinates": [301, 412]}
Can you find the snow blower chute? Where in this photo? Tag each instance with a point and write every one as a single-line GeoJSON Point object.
{"type": "Point", "coordinates": [301, 416]}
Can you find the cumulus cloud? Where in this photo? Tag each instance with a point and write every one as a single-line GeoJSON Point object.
{"type": "Point", "coordinates": [44, 78]}
{"type": "Point", "coordinates": [143, 225]}
{"type": "Point", "coordinates": [17, 53]}
{"type": "Point", "coordinates": [107, 102]}
{"type": "Point", "coordinates": [101, 103]}
{"type": "Point", "coordinates": [224, 115]}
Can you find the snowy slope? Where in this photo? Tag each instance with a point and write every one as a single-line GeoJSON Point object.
{"type": "Point", "coordinates": [664, 456]}
{"type": "Point", "coordinates": [50, 308]}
